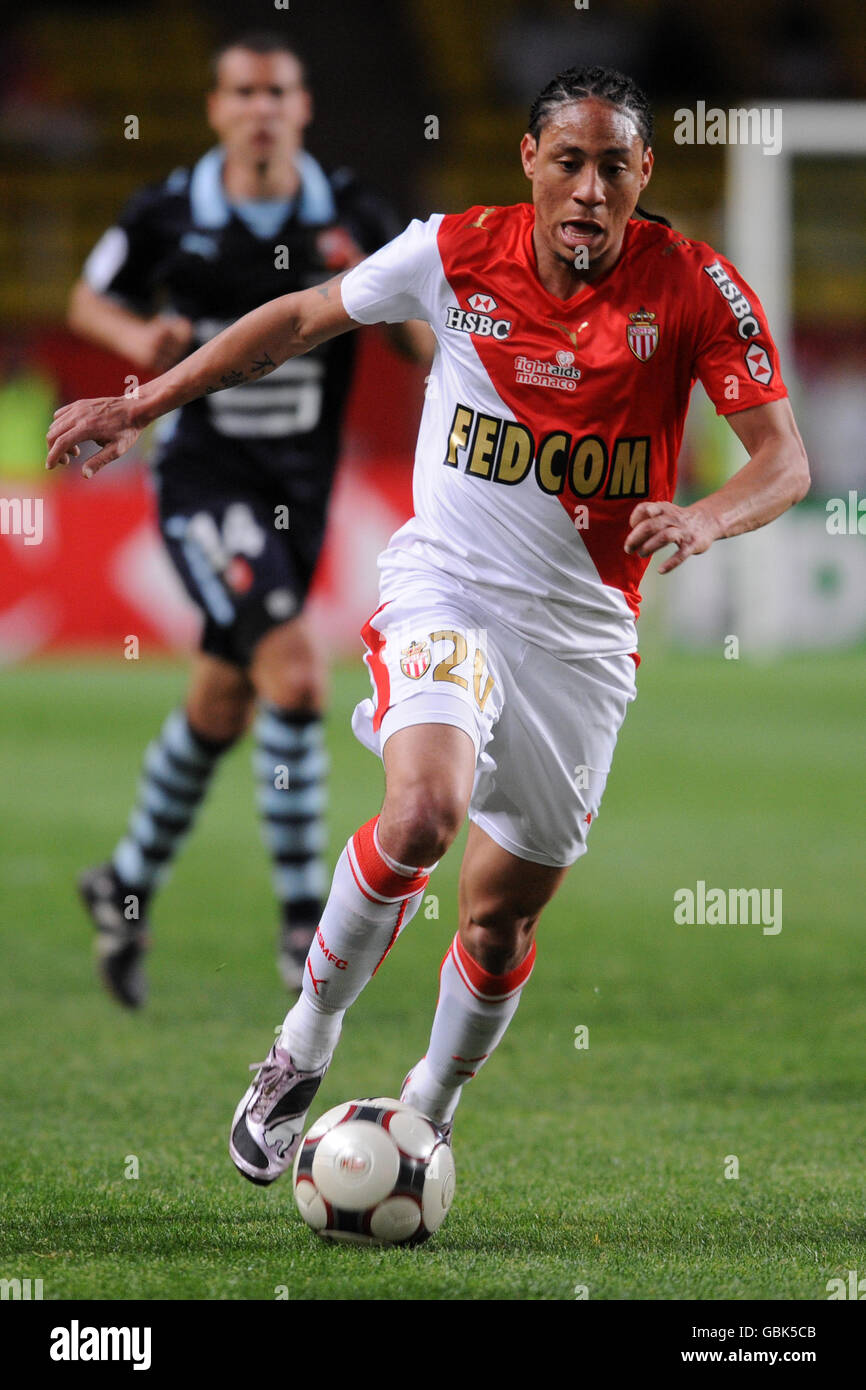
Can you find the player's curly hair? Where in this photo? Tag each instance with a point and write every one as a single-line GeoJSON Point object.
{"type": "Point", "coordinates": [573, 84]}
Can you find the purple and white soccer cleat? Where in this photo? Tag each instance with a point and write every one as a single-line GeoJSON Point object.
{"type": "Point", "coordinates": [269, 1122]}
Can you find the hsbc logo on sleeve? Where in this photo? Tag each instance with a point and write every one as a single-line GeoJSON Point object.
{"type": "Point", "coordinates": [747, 325]}
{"type": "Point", "coordinates": [478, 319]}
{"type": "Point", "coordinates": [759, 365]}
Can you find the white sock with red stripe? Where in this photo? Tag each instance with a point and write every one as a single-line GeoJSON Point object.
{"type": "Point", "coordinates": [372, 898]}
{"type": "Point", "coordinates": [472, 1013]}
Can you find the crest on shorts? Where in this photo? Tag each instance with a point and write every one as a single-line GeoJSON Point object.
{"type": "Point", "coordinates": [642, 334]}
{"type": "Point", "coordinates": [415, 660]}
{"type": "Point", "coordinates": [239, 574]}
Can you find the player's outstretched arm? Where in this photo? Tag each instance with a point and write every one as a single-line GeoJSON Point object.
{"type": "Point", "coordinates": [774, 478]}
{"type": "Point", "coordinates": [248, 350]}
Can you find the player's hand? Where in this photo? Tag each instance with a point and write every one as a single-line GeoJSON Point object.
{"type": "Point", "coordinates": [107, 421]}
{"type": "Point", "coordinates": [161, 342]}
{"type": "Point", "coordinates": [656, 524]}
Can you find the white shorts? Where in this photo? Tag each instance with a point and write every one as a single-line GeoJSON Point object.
{"type": "Point", "coordinates": [544, 729]}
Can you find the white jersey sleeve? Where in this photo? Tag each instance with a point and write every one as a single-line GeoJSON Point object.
{"type": "Point", "coordinates": [108, 256]}
{"type": "Point", "coordinates": [399, 280]}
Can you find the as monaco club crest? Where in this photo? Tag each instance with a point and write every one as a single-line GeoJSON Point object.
{"type": "Point", "coordinates": [642, 334]}
{"type": "Point", "coordinates": [415, 660]}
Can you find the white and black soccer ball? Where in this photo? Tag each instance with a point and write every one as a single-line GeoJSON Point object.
{"type": "Point", "coordinates": [375, 1172]}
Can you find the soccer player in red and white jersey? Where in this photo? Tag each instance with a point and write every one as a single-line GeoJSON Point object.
{"type": "Point", "coordinates": [569, 335]}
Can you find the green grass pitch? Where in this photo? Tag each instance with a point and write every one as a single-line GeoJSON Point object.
{"type": "Point", "coordinates": [601, 1167]}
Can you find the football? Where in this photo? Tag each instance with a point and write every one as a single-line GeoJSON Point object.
{"type": "Point", "coordinates": [374, 1172]}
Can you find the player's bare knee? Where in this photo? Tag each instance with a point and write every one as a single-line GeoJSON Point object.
{"type": "Point", "coordinates": [289, 681]}
{"type": "Point", "coordinates": [290, 689]}
{"type": "Point", "coordinates": [499, 943]}
{"type": "Point", "coordinates": [419, 823]}
{"type": "Point", "coordinates": [221, 718]}
{"type": "Point", "coordinates": [219, 704]}
{"type": "Point", "coordinates": [287, 671]}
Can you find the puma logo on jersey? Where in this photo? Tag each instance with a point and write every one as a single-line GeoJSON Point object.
{"type": "Point", "coordinates": [479, 221]}
{"type": "Point", "coordinates": [569, 333]}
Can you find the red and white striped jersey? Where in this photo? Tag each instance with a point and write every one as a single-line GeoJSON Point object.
{"type": "Point", "coordinates": [547, 420]}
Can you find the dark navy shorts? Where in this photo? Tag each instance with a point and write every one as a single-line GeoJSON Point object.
{"type": "Point", "coordinates": [246, 557]}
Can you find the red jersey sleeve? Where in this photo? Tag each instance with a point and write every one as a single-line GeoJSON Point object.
{"type": "Point", "coordinates": [735, 357]}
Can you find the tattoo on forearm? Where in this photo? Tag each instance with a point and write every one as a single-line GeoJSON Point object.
{"type": "Point", "coordinates": [262, 366]}
{"type": "Point", "coordinates": [325, 290]}
{"type": "Point", "coordinates": [227, 379]}
{"type": "Point", "coordinates": [235, 378]}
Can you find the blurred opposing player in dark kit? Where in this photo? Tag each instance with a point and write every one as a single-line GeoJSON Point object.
{"type": "Point", "coordinates": [243, 480]}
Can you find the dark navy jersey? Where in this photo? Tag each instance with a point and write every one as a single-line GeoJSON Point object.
{"type": "Point", "coordinates": [182, 247]}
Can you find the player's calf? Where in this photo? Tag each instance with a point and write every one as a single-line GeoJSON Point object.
{"type": "Point", "coordinates": [291, 764]}
{"type": "Point", "coordinates": [474, 1009]}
